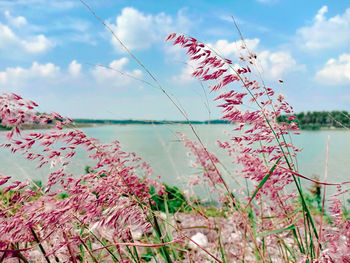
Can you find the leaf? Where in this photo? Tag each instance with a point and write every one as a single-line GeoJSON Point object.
{"type": "Point", "coordinates": [265, 233]}
{"type": "Point", "coordinates": [263, 181]}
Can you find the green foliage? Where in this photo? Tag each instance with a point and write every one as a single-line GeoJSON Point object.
{"type": "Point", "coordinates": [319, 119]}
{"type": "Point", "coordinates": [172, 197]}
{"type": "Point", "coordinates": [215, 212]}
{"type": "Point", "coordinates": [227, 204]}
{"type": "Point", "coordinates": [63, 195]}
{"type": "Point", "coordinates": [4, 127]}
{"type": "Point", "coordinates": [346, 210]}
{"type": "Point", "coordinates": [313, 202]}
{"type": "Point", "coordinates": [148, 256]}
{"type": "Point", "coordinates": [88, 169]}
{"type": "Point", "coordinates": [314, 198]}
{"type": "Point", "coordinates": [36, 184]}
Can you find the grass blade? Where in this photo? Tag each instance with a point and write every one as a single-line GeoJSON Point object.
{"type": "Point", "coordinates": [265, 233]}
{"type": "Point", "coordinates": [263, 181]}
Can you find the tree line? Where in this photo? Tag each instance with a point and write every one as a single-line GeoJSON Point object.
{"type": "Point", "coordinates": [319, 119]}
{"type": "Point", "coordinates": [310, 120]}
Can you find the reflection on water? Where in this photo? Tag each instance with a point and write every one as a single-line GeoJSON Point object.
{"type": "Point", "coordinates": [159, 146]}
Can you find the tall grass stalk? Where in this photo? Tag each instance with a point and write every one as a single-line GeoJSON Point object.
{"type": "Point", "coordinates": [323, 197]}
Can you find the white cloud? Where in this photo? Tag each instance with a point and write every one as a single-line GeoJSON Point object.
{"type": "Point", "coordinates": [112, 77]}
{"type": "Point", "coordinates": [6, 36]}
{"type": "Point", "coordinates": [335, 71]}
{"type": "Point", "coordinates": [17, 78]}
{"type": "Point", "coordinates": [326, 32]}
{"type": "Point", "coordinates": [140, 31]}
{"type": "Point", "coordinates": [36, 44]}
{"type": "Point", "coordinates": [49, 76]}
{"type": "Point", "coordinates": [15, 21]}
{"type": "Point", "coordinates": [273, 64]}
{"type": "Point", "coordinates": [9, 40]}
{"type": "Point", "coordinates": [320, 14]}
{"type": "Point", "coordinates": [74, 68]}
{"type": "Point", "coordinates": [222, 47]}
{"type": "Point", "coordinates": [46, 70]}
{"type": "Point", "coordinates": [225, 48]}
{"type": "Point", "coordinates": [185, 75]}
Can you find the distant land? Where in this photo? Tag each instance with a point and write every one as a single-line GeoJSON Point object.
{"type": "Point", "coordinates": [131, 121]}
{"type": "Point", "coordinates": [95, 122]}
{"type": "Point", "coordinates": [314, 120]}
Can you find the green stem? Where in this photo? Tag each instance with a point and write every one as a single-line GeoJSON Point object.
{"type": "Point", "coordinates": [159, 234]}
{"type": "Point", "coordinates": [40, 246]}
{"type": "Point", "coordinates": [20, 254]}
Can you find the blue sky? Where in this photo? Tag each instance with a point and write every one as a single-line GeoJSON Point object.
{"type": "Point", "coordinates": [50, 51]}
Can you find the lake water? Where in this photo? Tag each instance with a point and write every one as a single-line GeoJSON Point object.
{"type": "Point", "coordinates": [159, 146]}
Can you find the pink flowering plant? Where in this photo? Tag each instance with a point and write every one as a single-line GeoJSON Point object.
{"type": "Point", "coordinates": [109, 213]}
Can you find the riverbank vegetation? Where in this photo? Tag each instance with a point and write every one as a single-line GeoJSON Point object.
{"type": "Point", "coordinates": [316, 120]}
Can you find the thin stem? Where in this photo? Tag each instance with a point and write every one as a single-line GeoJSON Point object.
{"type": "Point", "coordinates": [135, 244]}
{"type": "Point", "coordinates": [88, 250]}
{"type": "Point", "coordinates": [159, 234]}
{"type": "Point", "coordinates": [40, 246]}
{"type": "Point", "coordinates": [19, 254]}
{"type": "Point", "coordinates": [323, 198]}
{"type": "Point", "coordinates": [163, 90]}
{"type": "Point", "coordinates": [69, 248]}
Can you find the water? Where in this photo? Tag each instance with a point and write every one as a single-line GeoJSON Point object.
{"type": "Point", "coordinates": [159, 145]}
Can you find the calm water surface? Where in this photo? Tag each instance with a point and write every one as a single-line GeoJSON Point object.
{"type": "Point", "coordinates": [159, 146]}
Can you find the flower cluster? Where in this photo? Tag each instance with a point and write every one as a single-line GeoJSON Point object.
{"type": "Point", "coordinates": [204, 160]}
{"type": "Point", "coordinates": [114, 193]}
{"type": "Point", "coordinates": [263, 139]}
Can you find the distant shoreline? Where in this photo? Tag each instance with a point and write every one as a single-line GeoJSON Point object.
{"type": "Point", "coordinates": [146, 122]}
{"type": "Point", "coordinates": [83, 123]}
{"type": "Point", "coordinates": [49, 126]}
{"type": "Point", "coordinates": [316, 120]}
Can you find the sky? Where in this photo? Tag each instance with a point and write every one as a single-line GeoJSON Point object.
{"type": "Point", "coordinates": [55, 52]}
